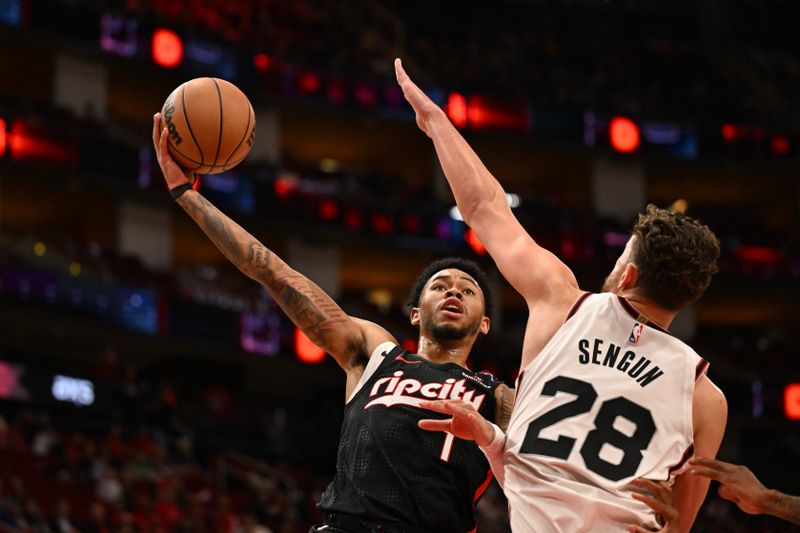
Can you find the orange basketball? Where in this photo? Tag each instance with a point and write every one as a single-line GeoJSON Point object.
{"type": "Point", "coordinates": [211, 125]}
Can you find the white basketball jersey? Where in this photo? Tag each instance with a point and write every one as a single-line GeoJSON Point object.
{"type": "Point", "coordinates": [607, 400]}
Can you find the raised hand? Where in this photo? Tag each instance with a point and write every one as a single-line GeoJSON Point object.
{"type": "Point", "coordinates": [423, 106]}
{"type": "Point", "coordinates": [466, 422]}
{"type": "Point", "coordinates": [657, 496]}
{"type": "Point", "coordinates": [738, 483]}
{"type": "Point", "coordinates": [174, 175]}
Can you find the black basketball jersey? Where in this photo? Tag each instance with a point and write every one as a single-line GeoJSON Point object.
{"type": "Point", "coordinates": [390, 470]}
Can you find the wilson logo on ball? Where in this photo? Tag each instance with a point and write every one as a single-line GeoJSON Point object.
{"type": "Point", "coordinates": [173, 131]}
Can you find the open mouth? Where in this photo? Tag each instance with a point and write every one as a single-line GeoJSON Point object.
{"type": "Point", "coordinates": [453, 307]}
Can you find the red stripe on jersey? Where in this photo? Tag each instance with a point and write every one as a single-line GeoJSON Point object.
{"type": "Point", "coordinates": [401, 358]}
{"type": "Point", "coordinates": [700, 369]}
{"type": "Point", "coordinates": [577, 305]}
{"type": "Point", "coordinates": [519, 380]}
{"type": "Point", "coordinates": [685, 457]}
{"type": "Point", "coordinates": [479, 492]}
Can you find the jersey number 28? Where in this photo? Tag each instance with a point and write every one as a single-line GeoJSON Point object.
{"type": "Point", "coordinates": [604, 431]}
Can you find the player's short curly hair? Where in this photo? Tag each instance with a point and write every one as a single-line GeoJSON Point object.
{"type": "Point", "coordinates": [458, 263]}
{"type": "Point", "coordinates": [676, 256]}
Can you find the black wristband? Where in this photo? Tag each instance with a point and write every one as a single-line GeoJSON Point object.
{"type": "Point", "coordinates": [179, 190]}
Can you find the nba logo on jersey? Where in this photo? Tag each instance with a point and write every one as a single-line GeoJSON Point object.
{"type": "Point", "coordinates": [636, 332]}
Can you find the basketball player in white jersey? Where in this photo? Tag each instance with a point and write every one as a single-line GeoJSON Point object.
{"type": "Point", "coordinates": [605, 394]}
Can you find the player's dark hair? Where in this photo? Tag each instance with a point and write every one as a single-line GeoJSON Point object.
{"type": "Point", "coordinates": [458, 263]}
{"type": "Point", "coordinates": [676, 256]}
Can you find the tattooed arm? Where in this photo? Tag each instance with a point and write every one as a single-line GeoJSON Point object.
{"type": "Point", "coordinates": [349, 340]}
{"type": "Point", "coordinates": [505, 397]}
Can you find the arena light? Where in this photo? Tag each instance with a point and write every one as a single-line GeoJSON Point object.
{"type": "Point", "coordinates": [780, 145]}
{"type": "Point", "coordinates": [308, 82]}
{"type": "Point", "coordinates": [365, 95]}
{"type": "Point", "coordinates": [167, 48]}
{"type": "Point", "coordinates": [624, 135]}
{"type": "Point", "coordinates": [456, 109]}
{"type": "Point", "coordinates": [410, 345]}
{"type": "Point", "coordinates": [412, 224]}
{"type": "Point", "coordinates": [729, 132]}
{"type": "Point", "coordinates": [336, 91]}
{"type": "Point", "coordinates": [791, 401]}
{"type": "Point", "coordinates": [474, 242]}
{"type": "Point", "coordinates": [353, 220]}
{"type": "Point", "coordinates": [485, 113]}
{"type": "Point", "coordinates": [328, 210]}
{"type": "Point", "coordinates": [307, 351]}
{"type": "Point", "coordinates": [3, 137]}
{"type": "Point", "coordinates": [262, 61]}
{"type": "Point", "coordinates": [381, 224]}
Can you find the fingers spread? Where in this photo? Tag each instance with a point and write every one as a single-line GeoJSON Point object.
{"type": "Point", "coordinates": [660, 490]}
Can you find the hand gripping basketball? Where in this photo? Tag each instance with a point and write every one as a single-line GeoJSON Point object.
{"type": "Point", "coordinates": [174, 175]}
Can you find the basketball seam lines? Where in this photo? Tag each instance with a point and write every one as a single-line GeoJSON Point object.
{"type": "Point", "coordinates": [188, 125]}
{"type": "Point", "coordinates": [221, 123]}
{"type": "Point", "coordinates": [244, 136]}
{"type": "Point", "coordinates": [204, 164]}
{"type": "Point", "coordinates": [186, 157]}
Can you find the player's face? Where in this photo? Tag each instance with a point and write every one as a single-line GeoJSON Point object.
{"type": "Point", "coordinates": [451, 306]}
{"type": "Point", "coordinates": [612, 282]}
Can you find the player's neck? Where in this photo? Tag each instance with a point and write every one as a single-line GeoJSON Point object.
{"type": "Point", "coordinates": [654, 313]}
{"type": "Point", "coordinates": [438, 351]}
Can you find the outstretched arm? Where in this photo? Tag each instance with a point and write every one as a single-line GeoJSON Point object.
{"type": "Point", "coordinates": [709, 416]}
{"type": "Point", "coordinates": [739, 485]}
{"type": "Point", "coordinates": [534, 272]}
{"type": "Point", "coordinates": [468, 424]}
{"type": "Point", "coordinates": [349, 340]}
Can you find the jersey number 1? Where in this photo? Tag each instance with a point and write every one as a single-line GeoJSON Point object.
{"type": "Point", "coordinates": [604, 431]}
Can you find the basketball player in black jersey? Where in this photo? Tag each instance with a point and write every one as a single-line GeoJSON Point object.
{"type": "Point", "coordinates": [392, 476]}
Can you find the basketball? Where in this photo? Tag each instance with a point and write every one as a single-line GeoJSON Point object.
{"type": "Point", "coordinates": [211, 125]}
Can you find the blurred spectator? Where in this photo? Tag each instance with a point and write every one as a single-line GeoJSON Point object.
{"type": "Point", "coordinates": [109, 487]}
{"type": "Point", "coordinates": [63, 521]}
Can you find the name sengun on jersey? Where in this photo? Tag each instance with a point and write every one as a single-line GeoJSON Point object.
{"type": "Point", "coordinates": [394, 390]}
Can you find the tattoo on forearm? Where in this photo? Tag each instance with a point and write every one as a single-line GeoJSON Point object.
{"type": "Point", "coordinates": [302, 300]}
{"type": "Point", "coordinates": [788, 507]}
{"type": "Point", "coordinates": [219, 228]}
{"type": "Point", "coordinates": [505, 408]}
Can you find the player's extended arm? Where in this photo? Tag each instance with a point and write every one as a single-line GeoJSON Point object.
{"type": "Point", "coordinates": [349, 340]}
{"type": "Point", "coordinates": [710, 414]}
{"type": "Point", "coordinates": [537, 274]}
{"type": "Point", "coordinates": [739, 485]}
{"type": "Point", "coordinates": [468, 424]}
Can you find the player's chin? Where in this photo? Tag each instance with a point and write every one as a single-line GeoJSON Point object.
{"type": "Point", "coordinates": [448, 331]}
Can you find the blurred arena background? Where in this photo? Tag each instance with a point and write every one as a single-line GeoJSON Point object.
{"type": "Point", "coordinates": [146, 385]}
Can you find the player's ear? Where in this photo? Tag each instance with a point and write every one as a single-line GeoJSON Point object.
{"type": "Point", "coordinates": [630, 277]}
{"type": "Point", "coordinates": [486, 324]}
{"type": "Point", "coordinates": [414, 316]}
